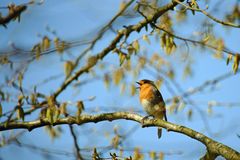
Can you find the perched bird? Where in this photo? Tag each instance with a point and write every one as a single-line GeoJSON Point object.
{"type": "Point", "coordinates": [152, 101]}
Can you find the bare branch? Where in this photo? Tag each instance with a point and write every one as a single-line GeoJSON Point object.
{"type": "Point", "coordinates": [208, 15]}
{"type": "Point", "coordinates": [92, 61]}
{"type": "Point", "coordinates": [79, 157]}
{"type": "Point", "coordinates": [13, 14]}
{"type": "Point", "coordinates": [214, 147]}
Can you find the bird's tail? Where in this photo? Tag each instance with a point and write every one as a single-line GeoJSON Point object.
{"type": "Point", "coordinates": [159, 132]}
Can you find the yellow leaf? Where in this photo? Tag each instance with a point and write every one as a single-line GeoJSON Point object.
{"type": "Point", "coordinates": [20, 113]}
{"type": "Point", "coordinates": [122, 5]}
{"type": "Point", "coordinates": [209, 110]}
{"type": "Point", "coordinates": [123, 87]}
{"type": "Point", "coordinates": [133, 90]}
{"type": "Point", "coordinates": [33, 98]}
{"type": "Point", "coordinates": [68, 67]}
{"type": "Point", "coordinates": [20, 79]}
{"type": "Point", "coordinates": [236, 63]}
{"type": "Point", "coordinates": [229, 58]}
{"type": "Point", "coordinates": [59, 45]}
{"type": "Point", "coordinates": [37, 50]}
{"type": "Point", "coordinates": [45, 43]}
{"type": "Point", "coordinates": [145, 38]}
{"type": "Point", "coordinates": [115, 141]}
{"type": "Point", "coordinates": [161, 156]}
{"type": "Point", "coordinates": [118, 76]}
{"type": "Point", "coordinates": [51, 101]}
{"type": "Point", "coordinates": [122, 57]}
{"type": "Point", "coordinates": [63, 108]}
{"type": "Point", "coordinates": [159, 83]}
{"type": "Point", "coordinates": [137, 155]}
{"type": "Point", "coordinates": [43, 113]}
{"type": "Point", "coordinates": [136, 46]}
{"type": "Point", "coordinates": [152, 155]}
{"type": "Point", "coordinates": [131, 49]}
{"type": "Point", "coordinates": [56, 115]}
{"type": "Point", "coordinates": [206, 38]}
{"type": "Point", "coordinates": [171, 74]}
{"type": "Point", "coordinates": [4, 60]}
{"type": "Point", "coordinates": [49, 115]}
{"type": "Point", "coordinates": [187, 71]}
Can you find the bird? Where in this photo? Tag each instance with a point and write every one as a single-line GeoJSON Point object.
{"type": "Point", "coordinates": [152, 101]}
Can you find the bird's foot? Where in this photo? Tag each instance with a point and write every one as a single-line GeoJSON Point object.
{"type": "Point", "coordinates": [168, 129]}
{"type": "Point", "coordinates": [143, 119]}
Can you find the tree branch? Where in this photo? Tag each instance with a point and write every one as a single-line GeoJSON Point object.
{"type": "Point", "coordinates": [208, 15]}
{"type": "Point", "coordinates": [92, 61]}
{"type": "Point", "coordinates": [213, 147]}
{"type": "Point", "coordinates": [14, 13]}
{"type": "Point", "coordinates": [78, 155]}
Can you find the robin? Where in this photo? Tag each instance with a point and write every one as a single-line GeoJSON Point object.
{"type": "Point", "coordinates": [152, 101]}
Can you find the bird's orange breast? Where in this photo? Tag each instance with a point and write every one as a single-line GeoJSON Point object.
{"type": "Point", "coordinates": [146, 92]}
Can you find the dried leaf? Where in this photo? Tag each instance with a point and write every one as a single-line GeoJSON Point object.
{"type": "Point", "coordinates": [80, 107]}
{"type": "Point", "coordinates": [4, 60]}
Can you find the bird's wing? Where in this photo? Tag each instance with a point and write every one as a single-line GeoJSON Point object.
{"type": "Point", "coordinates": [160, 100]}
{"type": "Point", "coordinates": [159, 95]}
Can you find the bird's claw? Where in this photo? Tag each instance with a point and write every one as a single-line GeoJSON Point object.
{"type": "Point", "coordinates": [143, 119]}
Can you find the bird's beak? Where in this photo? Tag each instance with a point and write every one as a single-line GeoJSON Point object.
{"type": "Point", "coordinates": [138, 83]}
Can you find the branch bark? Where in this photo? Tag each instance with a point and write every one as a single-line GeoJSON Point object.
{"type": "Point", "coordinates": [213, 147]}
